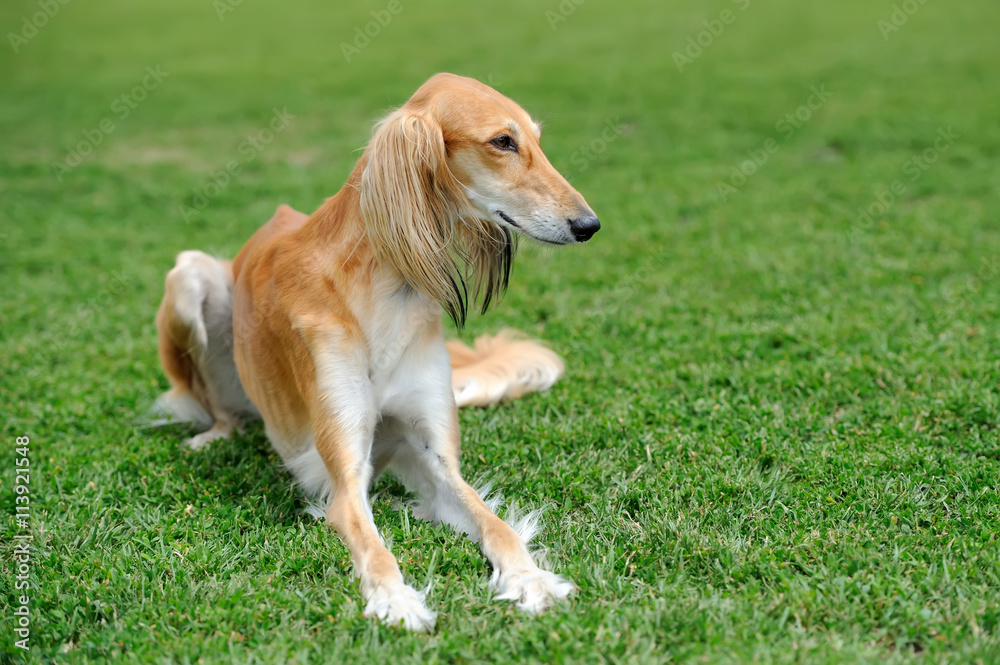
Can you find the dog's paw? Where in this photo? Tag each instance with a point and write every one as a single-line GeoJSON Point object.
{"type": "Point", "coordinates": [400, 605]}
{"type": "Point", "coordinates": [532, 590]}
{"type": "Point", "coordinates": [199, 441]}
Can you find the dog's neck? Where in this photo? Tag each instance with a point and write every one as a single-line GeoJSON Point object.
{"type": "Point", "coordinates": [340, 240]}
{"type": "Point", "coordinates": [338, 230]}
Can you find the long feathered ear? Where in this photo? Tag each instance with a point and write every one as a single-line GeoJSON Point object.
{"type": "Point", "coordinates": [410, 201]}
{"type": "Point", "coordinates": [420, 221]}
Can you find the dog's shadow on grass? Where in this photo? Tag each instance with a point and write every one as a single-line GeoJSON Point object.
{"type": "Point", "coordinates": [242, 471]}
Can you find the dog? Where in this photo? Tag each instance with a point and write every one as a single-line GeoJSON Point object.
{"type": "Point", "coordinates": [329, 328]}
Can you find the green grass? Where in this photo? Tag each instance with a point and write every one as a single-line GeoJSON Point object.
{"type": "Point", "coordinates": [776, 440]}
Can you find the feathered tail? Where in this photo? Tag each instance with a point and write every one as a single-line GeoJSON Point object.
{"type": "Point", "coordinates": [501, 368]}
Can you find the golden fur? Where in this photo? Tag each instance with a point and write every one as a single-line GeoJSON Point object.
{"type": "Point", "coordinates": [329, 328]}
{"type": "Point", "coordinates": [418, 217]}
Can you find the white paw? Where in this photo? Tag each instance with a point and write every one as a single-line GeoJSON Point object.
{"type": "Point", "coordinates": [532, 590]}
{"type": "Point", "coordinates": [400, 604]}
{"type": "Point", "coordinates": [201, 440]}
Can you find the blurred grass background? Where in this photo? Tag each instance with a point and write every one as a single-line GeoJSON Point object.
{"type": "Point", "coordinates": [776, 440]}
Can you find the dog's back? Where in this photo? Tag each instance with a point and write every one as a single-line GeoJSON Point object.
{"type": "Point", "coordinates": [286, 219]}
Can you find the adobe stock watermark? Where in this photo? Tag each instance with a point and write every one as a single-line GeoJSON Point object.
{"type": "Point", "coordinates": [988, 269]}
{"type": "Point", "coordinates": [611, 302]}
{"type": "Point", "coordinates": [248, 149]}
{"type": "Point", "coordinates": [562, 12]}
{"type": "Point", "coordinates": [786, 127]}
{"type": "Point", "coordinates": [587, 152]}
{"type": "Point", "coordinates": [121, 107]}
{"type": "Point", "coordinates": [54, 341]}
{"type": "Point", "coordinates": [363, 35]}
{"type": "Point", "coordinates": [30, 25]}
{"type": "Point", "coordinates": [900, 15]}
{"type": "Point", "coordinates": [760, 324]}
{"type": "Point", "coordinates": [913, 169]}
{"type": "Point", "coordinates": [386, 357]}
{"type": "Point", "coordinates": [223, 7]}
{"type": "Point", "coordinates": [21, 564]}
{"type": "Point", "coordinates": [698, 43]}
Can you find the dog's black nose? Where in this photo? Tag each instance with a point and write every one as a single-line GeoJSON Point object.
{"type": "Point", "coordinates": [584, 228]}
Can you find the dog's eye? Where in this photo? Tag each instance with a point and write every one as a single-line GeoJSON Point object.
{"type": "Point", "coordinates": [504, 143]}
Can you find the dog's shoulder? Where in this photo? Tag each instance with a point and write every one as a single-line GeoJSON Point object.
{"type": "Point", "coordinates": [285, 220]}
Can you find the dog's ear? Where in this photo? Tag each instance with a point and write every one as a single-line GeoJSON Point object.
{"type": "Point", "coordinates": [410, 201]}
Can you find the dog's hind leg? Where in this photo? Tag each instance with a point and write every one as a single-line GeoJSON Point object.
{"type": "Point", "coordinates": [195, 328]}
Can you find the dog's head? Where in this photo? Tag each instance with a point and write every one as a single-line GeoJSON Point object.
{"type": "Point", "coordinates": [458, 169]}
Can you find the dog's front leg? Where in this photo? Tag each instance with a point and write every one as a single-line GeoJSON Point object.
{"type": "Point", "coordinates": [344, 419]}
{"type": "Point", "coordinates": [429, 466]}
{"type": "Point", "coordinates": [387, 596]}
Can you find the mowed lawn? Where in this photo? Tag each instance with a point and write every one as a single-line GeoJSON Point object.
{"type": "Point", "coordinates": [776, 440]}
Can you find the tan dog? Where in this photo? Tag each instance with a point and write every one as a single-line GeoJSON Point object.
{"type": "Point", "coordinates": [334, 322]}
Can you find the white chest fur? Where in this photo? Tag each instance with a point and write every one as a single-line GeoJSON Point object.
{"type": "Point", "coordinates": [408, 363]}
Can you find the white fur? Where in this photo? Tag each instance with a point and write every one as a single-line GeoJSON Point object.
{"type": "Point", "coordinates": [371, 376]}
{"type": "Point", "coordinates": [204, 288]}
{"type": "Point", "coordinates": [408, 386]}
{"type": "Point", "coordinates": [203, 300]}
{"type": "Point", "coordinates": [396, 399]}
{"type": "Point", "coordinates": [526, 525]}
{"type": "Point", "coordinates": [475, 391]}
{"type": "Point", "coordinates": [403, 382]}
{"type": "Point", "coordinates": [313, 479]}
{"type": "Point", "coordinates": [199, 441]}
{"type": "Point", "coordinates": [435, 502]}
{"type": "Point", "coordinates": [490, 194]}
{"type": "Point", "coordinates": [345, 389]}
{"type": "Point", "coordinates": [531, 590]}
{"type": "Point", "coordinates": [194, 278]}
{"type": "Point", "coordinates": [400, 604]}
{"type": "Point", "coordinates": [500, 368]}
{"type": "Point", "coordinates": [175, 407]}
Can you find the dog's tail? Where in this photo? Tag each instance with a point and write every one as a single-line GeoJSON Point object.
{"type": "Point", "coordinates": [500, 368]}
{"type": "Point", "coordinates": [195, 328]}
